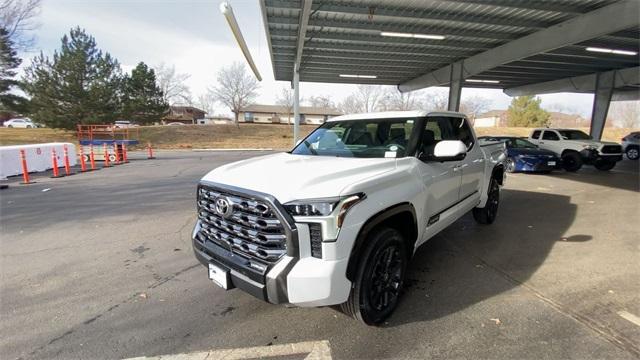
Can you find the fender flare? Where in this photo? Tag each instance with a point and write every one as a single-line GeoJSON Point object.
{"type": "Point", "coordinates": [370, 224]}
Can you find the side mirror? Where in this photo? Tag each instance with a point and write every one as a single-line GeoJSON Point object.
{"type": "Point", "coordinates": [450, 150]}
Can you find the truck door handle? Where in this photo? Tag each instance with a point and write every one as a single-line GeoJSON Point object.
{"type": "Point", "coordinates": [541, 142]}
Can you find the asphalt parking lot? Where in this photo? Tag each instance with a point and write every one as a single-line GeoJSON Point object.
{"type": "Point", "coordinates": [99, 265]}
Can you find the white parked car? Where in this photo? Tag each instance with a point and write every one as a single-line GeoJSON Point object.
{"type": "Point", "coordinates": [123, 124]}
{"type": "Point", "coordinates": [577, 148]}
{"type": "Point", "coordinates": [19, 123]}
{"type": "Point", "coordinates": [631, 145]}
{"type": "Point", "coordinates": [337, 219]}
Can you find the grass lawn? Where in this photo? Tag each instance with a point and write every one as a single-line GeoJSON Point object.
{"type": "Point", "coordinates": [228, 136]}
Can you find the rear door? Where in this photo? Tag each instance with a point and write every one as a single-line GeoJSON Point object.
{"type": "Point", "coordinates": [550, 140]}
{"type": "Point", "coordinates": [472, 167]}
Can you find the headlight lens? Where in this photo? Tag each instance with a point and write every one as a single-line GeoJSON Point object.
{"type": "Point", "coordinates": [335, 208]}
{"type": "Point", "coordinates": [311, 208]}
{"type": "Point", "coordinates": [590, 147]}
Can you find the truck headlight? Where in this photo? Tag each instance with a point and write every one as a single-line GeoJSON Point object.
{"type": "Point", "coordinates": [312, 207]}
{"type": "Point", "coordinates": [330, 211]}
{"type": "Point", "coordinates": [590, 147]}
{"type": "Point", "coordinates": [336, 207]}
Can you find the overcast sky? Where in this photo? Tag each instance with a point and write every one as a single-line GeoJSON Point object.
{"type": "Point", "coordinates": [194, 36]}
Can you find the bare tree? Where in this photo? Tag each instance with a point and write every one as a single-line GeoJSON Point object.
{"type": "Point", "coordinates": [236, 88]}
{"type": "Point", "coordinates": [206, 103]}
{"type": "Point", "coordinates": [473, 106]}
{"type": "Point", "coordinates": [285, 99]}
{"type": "Point", "coordinates": [365, 99]}
{"type": "Point", "coordinates": [173, 85]}
{"type": "Point", "coordinates": [394, 100]}
{"type": "Point", "coordinates": [626, 113]}
{"type": "Point", "coordinates": [321, 101]}
{"type": "Point", "coordinates": [19, 19]}
{"type": "Point", "coordinates": [436, 100]}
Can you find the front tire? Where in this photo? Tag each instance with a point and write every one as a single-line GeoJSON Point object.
{"type": "Point", "coordinates": [379, 279]}
{"type": "Point", "coordinates": [571, 161]}
{"type": "Point", "coordinates": [487, 215]}
{"type": "Point", "coordinates": [633, 153]}
{"type": "Point", "coordinates": [604, 165]}
{"type": "Point", "coordinates": [510, 165]}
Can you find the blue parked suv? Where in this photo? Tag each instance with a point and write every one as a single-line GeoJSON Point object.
{"type": "Point", "coordinates": [524, 156]}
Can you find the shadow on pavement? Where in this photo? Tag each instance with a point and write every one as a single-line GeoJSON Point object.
{"type": "Point", "coordinates": [449, 273]}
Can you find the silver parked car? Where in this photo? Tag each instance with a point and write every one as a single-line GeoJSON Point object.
{"type": "Point", "coordinates": [19, 123]}
{"type": "Point", "coordinates": [631, 145]}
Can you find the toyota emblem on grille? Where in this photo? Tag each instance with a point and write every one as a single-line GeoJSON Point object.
{"type": "Point", "coordinates": [224, 207]}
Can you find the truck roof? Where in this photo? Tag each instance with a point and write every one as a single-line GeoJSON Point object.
{"type": "Point", "coordinates": [395, 114]}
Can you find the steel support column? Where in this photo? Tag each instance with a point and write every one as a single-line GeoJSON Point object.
{"type": "Point", "coordinates": [601, 100]}
{"type": "Point", "coordinates": [455, 86]}
{"type": "Point", "coordinates": [296, 106]}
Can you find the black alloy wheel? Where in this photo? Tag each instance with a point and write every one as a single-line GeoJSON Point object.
{"type": "Point", "coordinates": [487, 215]}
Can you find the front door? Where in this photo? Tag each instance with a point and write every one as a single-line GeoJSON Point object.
{"type": "Point", "coordinates": [441, 180]}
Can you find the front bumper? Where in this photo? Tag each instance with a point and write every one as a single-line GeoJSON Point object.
{"type": "Point", "coordinates": [302, 281]}
{"type": "Point", "coordinates": [590, 156]}
{"type": "Point", "coordinates": [537, 165]}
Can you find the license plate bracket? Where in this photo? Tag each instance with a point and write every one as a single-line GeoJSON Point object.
{"type": "Point", "coordinates": [219, 276]}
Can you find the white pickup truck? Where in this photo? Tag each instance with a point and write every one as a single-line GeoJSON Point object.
{"type": "Point", "coordinates": [337, 219]}
{"type": "Point", "coordinates": [577, 148]}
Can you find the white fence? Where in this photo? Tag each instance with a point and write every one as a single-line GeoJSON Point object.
{"type": "Point", "coordinates": [38, 157]}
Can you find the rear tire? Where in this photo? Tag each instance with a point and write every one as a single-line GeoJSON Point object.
{"type": "Point", "coordinates": [571, 161]}
{"type": "Point", "coordinates": [604, 165]}
{"type": "Point", "coordinates": [487, 215]}
{"type": "Point", "coordinates": [633, 153]}
{"type": "Point", "coordinates": [379, 279]}
{"type": "Point", "coordinates": [10, 126]}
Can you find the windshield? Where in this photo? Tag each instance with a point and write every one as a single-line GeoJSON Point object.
{"type": "Point", "coordinates": [375, 138]}
{"type": "Point", "coordinates": [520, 144]}
{"type": "Point", "coordinates": [574, 135]}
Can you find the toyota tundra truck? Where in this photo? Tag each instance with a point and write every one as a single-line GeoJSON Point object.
{"type": "Point", "coordinates": [336, 220]}
{"type": "Point", "coordinates": [577, 148]}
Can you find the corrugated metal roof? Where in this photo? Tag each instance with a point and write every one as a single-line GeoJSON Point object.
{"type": "Point", "coordinates": [344, 37]}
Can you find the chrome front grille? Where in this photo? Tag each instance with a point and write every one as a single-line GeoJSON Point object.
{"type": "Point", "coordinates": [249, 227]}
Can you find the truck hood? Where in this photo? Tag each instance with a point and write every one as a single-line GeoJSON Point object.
{"type": "Point", "coordinates": [593, 142]}
{"type": "Point", "coordinates": [294, 177]}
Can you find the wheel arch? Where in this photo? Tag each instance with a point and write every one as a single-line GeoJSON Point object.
{"type": "Point", "coordinates": [566, 151]}
{"type": "Point", "coordinates": [401, 217]}
{"type": "Point", "coordinates": [498, 173]}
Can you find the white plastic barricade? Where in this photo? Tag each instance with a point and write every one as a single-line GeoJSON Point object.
{"type": "Point", "coordinates": [38, 157]}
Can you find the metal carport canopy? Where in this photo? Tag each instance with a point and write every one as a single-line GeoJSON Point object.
{"type": "Point", "coordinates": [505, 44]}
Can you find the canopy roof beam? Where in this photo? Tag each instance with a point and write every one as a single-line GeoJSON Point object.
{"type": "Point", "coordinates": [609, 19]}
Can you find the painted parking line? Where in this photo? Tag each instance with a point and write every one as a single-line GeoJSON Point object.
{"type": "Point", "coordinates": [630, 317]}
{"type": "Point", "coordinates": [310, 350]}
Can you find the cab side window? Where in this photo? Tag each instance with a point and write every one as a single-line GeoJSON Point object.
{"type": "Point", "coordinates": [550, 135]}
{"type": "Point", "coordinates": [536, 134]}
{"type": "Point", "coordinates": [443, 128]}
{"type": "Point", "coordinates": [462, 131]}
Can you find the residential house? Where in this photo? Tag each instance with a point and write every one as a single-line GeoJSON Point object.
{"type": "Point", "coordinates": [183, 114]}
{"type": "Point", "coordinates": [276, 114]}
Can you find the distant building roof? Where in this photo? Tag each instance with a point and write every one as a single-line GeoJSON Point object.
{"type": "Point", "coordinates": [492, 113]}
{"type": "Point", "coordinates": [186, 107]}
{"type": "Point", "coordinates": [278, 109]}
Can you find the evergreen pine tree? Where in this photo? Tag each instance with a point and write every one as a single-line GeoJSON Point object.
{"type": "Point", "coordinates": [143, 99]}
{"type": "Point", "coordinates": [9, 61]}
{"type": "Point", "coordinates": [79, 85]}
{"type": "Point", "coordinates": [525, 111]}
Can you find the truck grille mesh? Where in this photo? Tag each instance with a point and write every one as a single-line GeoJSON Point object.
{"type": "Point", "coordinates": [250, 228]}
{"type": "Point", "coordinates": [611, 149]}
